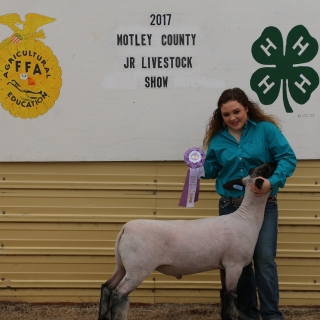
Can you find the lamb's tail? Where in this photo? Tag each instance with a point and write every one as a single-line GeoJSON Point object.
{"type": "Point", "coordinates": [119, 271]}
{"type": "Point", "coordinates": [116, 250]}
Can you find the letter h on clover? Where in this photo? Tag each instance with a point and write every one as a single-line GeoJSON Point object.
{"type": "Point", "coordinates": [284, 67]}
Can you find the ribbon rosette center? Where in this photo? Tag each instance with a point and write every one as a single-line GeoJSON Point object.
{"type": "Point", "coordinates": [194, 156]}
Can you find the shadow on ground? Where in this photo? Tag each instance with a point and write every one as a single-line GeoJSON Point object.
{"type": "Point", "coordinates": [136, 312]}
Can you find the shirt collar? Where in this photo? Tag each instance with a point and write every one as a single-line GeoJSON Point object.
{"type": "Point", "coordinates": [246, 126]}
{"type": "Point", "coordinates": [251, 121]}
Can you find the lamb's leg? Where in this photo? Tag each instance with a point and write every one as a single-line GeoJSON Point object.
{"type": "Point", "coordinates": [230, 311]}
{"type": "Point", "coordinates": [106, 292]}
{"type": "Point", "coordinates": [105, 295]}
{"type": "Point", "coordinates": [120, 299]}
{"type": "Point", "coordinates": [229, 296]}
{"type": "Point", "coordinates": [222, 291]}
{"type": "Point", "coordinates": [119, 306]}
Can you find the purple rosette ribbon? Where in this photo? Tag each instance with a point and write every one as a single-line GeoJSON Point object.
{"type": "Point", "coordinates": [194, 158]}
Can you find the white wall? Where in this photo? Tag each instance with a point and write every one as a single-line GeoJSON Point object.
{"type": "Point", "coordinates": [104, 111]}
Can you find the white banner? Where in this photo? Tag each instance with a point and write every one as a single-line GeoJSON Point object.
{"type": "Point", "coordinates": [122, 80]}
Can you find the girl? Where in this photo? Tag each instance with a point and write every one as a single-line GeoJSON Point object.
{"type": "Point", "coordinates": [240, 136]}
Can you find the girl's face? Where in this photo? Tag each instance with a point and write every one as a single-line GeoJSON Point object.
{"type": "Point", "coordinates": [234, 115]}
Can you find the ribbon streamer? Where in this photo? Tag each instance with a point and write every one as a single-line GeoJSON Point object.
{"type": "Point", "coordinates": [194, 158]}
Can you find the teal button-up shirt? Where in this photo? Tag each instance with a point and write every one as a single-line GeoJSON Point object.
{"type": "Point", "coordinates": [260, 142]}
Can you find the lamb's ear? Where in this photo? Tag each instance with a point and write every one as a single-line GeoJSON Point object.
{"type": "Point", "coordinates": [258, 183]}
{"type": "Point", "coordinates": [236, 184]}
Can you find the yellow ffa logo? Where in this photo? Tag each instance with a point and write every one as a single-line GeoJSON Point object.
{"type": "Point", "coordinates": [30, 76]}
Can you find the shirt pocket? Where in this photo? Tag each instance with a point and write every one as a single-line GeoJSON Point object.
{"type": "Point", "coordinates": [255, 149]}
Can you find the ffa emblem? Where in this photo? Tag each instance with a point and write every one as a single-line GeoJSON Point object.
{"type": "Point", "coordinates": [30, 76]}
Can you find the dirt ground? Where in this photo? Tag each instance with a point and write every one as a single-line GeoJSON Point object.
{"type": "Point", "coordinates": [145, 312]}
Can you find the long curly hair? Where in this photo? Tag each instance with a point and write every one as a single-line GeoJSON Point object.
{"type": "Point", "coordinates": [255, 113]}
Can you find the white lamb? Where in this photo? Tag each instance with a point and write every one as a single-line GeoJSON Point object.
{"type": "Point", "coordinates": [182, 247]}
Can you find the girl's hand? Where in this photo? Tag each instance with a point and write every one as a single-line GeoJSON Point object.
{"type": "Point", "coordinates": [266, 187]}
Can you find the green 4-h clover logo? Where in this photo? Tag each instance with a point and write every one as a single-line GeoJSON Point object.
{"type": "Point", "coordinates": [301, 81]}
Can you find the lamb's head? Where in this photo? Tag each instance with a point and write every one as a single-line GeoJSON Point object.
{"type": "Point", "coordinates": [265, 171]}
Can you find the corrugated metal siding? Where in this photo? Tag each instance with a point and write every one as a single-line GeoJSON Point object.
{"type": "Point", "coordinates": [59, 221]}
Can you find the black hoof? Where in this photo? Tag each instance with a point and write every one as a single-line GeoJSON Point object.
{"type": "Point", "coordinates": [119, 306]}
{"type": "Point", "coordinates": [104, 307]}
{"type": "Point", "coordinates": [228, 308]}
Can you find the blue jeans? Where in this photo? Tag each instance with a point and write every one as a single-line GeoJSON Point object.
{"type": "Point", "coordinates": [264, 277]}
